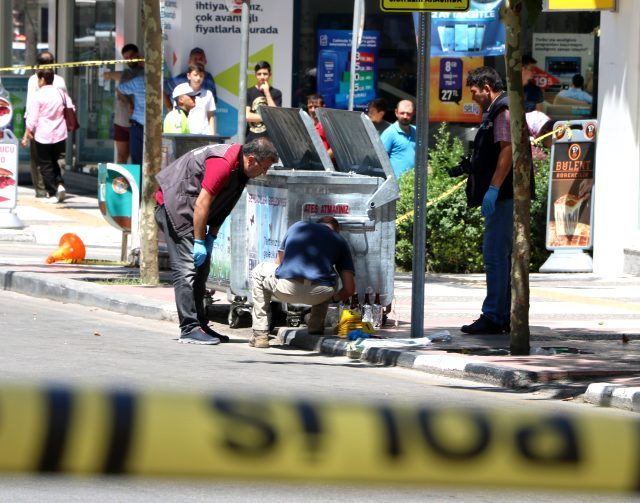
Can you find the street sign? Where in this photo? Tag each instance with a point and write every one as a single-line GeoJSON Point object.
{"type": "Point", "coordinates": [424, 5]}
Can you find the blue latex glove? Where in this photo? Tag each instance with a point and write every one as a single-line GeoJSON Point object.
{"type": "Point", "coordinates": [489, 201]}
{"type": "Point", "coordinates": [208, 243]}
{"type": "Point", "coordinates": [199, 252]}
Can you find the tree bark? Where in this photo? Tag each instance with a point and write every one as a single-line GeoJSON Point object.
{"type": "Point", "coordinates": [512, 18]}
{"type": "Point", "coordinates": [152, 141]}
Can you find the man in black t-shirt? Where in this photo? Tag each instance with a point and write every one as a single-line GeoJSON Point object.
{"type": "Point", "coordinates": [262, 94]}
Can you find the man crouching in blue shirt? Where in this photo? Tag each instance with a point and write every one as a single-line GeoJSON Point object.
{"type": "Point", "coordinates": [304, 273]}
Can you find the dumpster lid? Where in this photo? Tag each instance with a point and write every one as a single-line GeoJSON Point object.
{"type": "Point", "coordinates": [355, 142]}
{"type": "Point", "coordinates": [295, 138]}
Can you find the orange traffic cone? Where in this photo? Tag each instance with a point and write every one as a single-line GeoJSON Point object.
{"type": "Point", "coordinates": [70, 248]}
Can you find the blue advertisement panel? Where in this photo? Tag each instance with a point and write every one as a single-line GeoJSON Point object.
{"type": "Point", "coordinates": [477, 32]}
{"type": "Point", "coordinates": [334, 60]}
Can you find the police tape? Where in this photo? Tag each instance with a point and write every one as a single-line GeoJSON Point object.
{"type": "Point", "coordinates": [99, 62]}
{"type": "Point", "coordinates": [123, 432]}
{"type": "Point", "coordinates": [564, 128]}
{"type": "Point", "coordinates": [435, 200]}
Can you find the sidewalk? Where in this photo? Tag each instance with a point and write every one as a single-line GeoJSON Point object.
{"type": "Point", "coordinates": [577, 320]}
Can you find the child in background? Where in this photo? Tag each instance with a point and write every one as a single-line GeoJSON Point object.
{"type": "Point", "coordinates": [202, 117]}
{"type": "Point", "coordinates": [177, 120]}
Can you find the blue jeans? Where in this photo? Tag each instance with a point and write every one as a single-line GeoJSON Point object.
{"type": "Point", "coordinates": [189, 281]}
{"type": "Point", "coordinates": [136, 142]}
{"type": "Point", "coordinates": [496, 252]}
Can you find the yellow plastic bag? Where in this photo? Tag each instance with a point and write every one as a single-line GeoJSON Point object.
{"type": "Point", "coordinates": [349, 320]}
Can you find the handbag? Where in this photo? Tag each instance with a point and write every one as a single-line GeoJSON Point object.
{"type": "Point", "coordinates": [69, 115]}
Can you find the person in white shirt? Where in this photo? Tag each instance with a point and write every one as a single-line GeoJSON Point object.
{"type": "Point", "coordinates": [202, 118]}
{"type": "Point", "coordinates": [44, 58]}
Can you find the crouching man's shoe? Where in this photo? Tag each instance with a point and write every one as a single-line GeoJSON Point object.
{"type": "Point", "coordinates": [259, 339]}
{"type": "Point", "coordinates": [482, 326]}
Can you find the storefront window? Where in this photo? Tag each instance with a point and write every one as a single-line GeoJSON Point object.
{"type": "Point", "coordinates": [94, 40]}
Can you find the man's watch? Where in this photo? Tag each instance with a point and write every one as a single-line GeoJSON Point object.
{"type": "Point", "coordinates": [333, 299]}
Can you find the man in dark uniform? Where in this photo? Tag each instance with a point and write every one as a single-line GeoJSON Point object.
{"type": "Point", "coordinates": [490, 185]}
{"type": "Point", "coordinates": [197, 192]}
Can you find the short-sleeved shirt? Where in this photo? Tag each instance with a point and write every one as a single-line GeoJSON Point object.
{"type": "Point", "coordinates": [255, 100]}
{"type": "Point", "coordinates": [311, 251]}
{"type": "Point", "coordinates": [576, 94]}
{"type": "Point", "coordinates": [532, 96]}
{"type": "Point", "coordinates": [176, 122]}
{"type": "Point", "coordinates": [136, 88]}
{"type": "Point", "coordinates": [198, 121]}
{"type": "Point", "coordinates": [208, 83]}
{"type": "Point", "coordinates": [121, 112]}
{"type": "Point", "coordinates": [502, 127]}
{"type": "Point", "coordinates": [400, 146]}
{"type": "Point", "coordinates": [217, 172]}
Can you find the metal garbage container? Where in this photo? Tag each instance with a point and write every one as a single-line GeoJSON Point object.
{"type": "Point", "coordinates": [360, 192]}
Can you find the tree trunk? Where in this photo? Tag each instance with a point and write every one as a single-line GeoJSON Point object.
{"type": "Point", "coordinates": [152, 141]}
{"type": "Point", "coordinates": [512, 18]}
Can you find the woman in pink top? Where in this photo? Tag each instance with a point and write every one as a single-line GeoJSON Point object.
{"type": "Point", "coordinates": [47, 127]}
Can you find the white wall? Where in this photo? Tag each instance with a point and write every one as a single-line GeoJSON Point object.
{"type": "Point", "coordinates": [616, 225]}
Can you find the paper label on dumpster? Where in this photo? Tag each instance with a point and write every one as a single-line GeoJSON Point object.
{"type": "Point", "coordinates": [8, 175]}
{"type": "Point", "coordinates": [266, 223]}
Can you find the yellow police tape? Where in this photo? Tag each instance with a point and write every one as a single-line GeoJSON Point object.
{"type": "Point", "coordinates": [437, 199]}
{"type": "Point", "coordinates": [123, 432]}
{"type": "Point", "coordinates": [99, 62]}
{"type": "Point", "coordinates": [564, 127]}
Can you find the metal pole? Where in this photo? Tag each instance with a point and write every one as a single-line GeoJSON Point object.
{"type": "Point", "coordinates": [355, 30]}
{"type": "Point", "coordinates": [244, 63]}
{"type": "Point", "coordinates": [420, 188]}
{"type": "Point", "coordinates": [6, 40]}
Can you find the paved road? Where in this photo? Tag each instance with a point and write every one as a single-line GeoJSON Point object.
{"type": "Point", "coordinates": [44, 341]}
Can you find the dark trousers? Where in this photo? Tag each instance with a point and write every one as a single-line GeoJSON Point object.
{"type": "Point", "coordinates": [189, 282]}
{"type": "Point", "coordinates": [48, 155]}
{"type": "Point", "coordinates": [36, 176]}
{"type": "Point", "coordinates": [136, 139]}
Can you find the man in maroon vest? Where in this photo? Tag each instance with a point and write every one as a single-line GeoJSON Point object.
{"type": "Point", "coordinates": [197, 192]}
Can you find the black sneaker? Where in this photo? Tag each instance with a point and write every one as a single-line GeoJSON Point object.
{"type": "Point", "coordinates": [482, 326]}
{"type": "Point", "coordinates": [210, 331]}
{"type": "Point", "coordinates": [198, 336]}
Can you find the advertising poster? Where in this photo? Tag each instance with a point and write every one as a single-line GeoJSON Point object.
{"type": "Point", "coordinates": [571, 181]}
{"type": "Point", "coordinates": [266, 223]}
{"type": "Point", "coordinates": [16, 86]}
{"type": "Point", "coordinates": [333, 74]}
{"type": "Point", "coordinates": [216, 29]}
{"type": "Point", "coordinates": [563, 55]}
{"type": "Point", "coordinates": [449, 97]}
{"type": "Point", "coordinates": [220, 271]}
{"type": "Point", "coordinates": [8, 175]}
{"type": "Point", "coordinates": [476, 32]}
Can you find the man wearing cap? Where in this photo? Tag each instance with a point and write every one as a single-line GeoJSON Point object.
{"type": "Point", "coordinates": [197, 192]}
{"type": "Point", "coordinates": [196, 55]}
{"type": "Point", "coordinates": [177, 121]}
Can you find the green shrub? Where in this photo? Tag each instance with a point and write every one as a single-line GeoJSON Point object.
{"type": "Point", "coordinates": [454, 232]}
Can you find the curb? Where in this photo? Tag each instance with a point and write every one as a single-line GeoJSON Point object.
{"type": "Point", "coordinates": [613, 395]}
{"type": "Point", "coordinates": [17, 235]}
{"type": "Point", "coordinates": [440, 364]}
{"type": "Point", "coordinates": [77, 292]}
